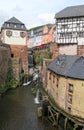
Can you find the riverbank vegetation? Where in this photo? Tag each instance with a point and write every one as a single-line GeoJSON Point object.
{"type": "Point", "coordinates": [40, 55]}
{"type": "Point", "coordinates": [10, 81]}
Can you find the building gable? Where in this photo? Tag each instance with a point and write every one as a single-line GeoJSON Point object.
{"type": "Point", "coordinates": [14, 23]}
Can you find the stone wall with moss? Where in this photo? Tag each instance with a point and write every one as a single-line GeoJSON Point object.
{"type": "Point", "coordinates": [16, 67]}
{"type": "Point", "coordinates": [4, 61]}
{"type": "Point", "coordinates": [9, 70]}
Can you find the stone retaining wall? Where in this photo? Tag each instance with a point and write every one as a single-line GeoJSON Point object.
{"type": "Point", "coordinates": [4, 61]}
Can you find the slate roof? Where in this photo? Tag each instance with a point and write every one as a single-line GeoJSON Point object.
{"type": "Point", "coordinates": [68, 66]}
{"type": "Point", "coordinates": [14, 21]}
{"type": "Point", "coordinates": [77, 70]}
{"type": "Point", "coordinates": [72, 11]}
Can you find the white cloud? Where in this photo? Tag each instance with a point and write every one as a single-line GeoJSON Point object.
{"type": "Point", "coordinates": [47, 17]}
{"type": "Point", "coordinates": [3, 17]}
{"type": "Point", "coordinates": [33, 12]}
{"type": "Point", "coordinates": [17, 8]}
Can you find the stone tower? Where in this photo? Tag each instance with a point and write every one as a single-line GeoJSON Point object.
{"type": "Point", "coordinates": [14, 33]}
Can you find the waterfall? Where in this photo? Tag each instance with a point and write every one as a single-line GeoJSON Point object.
{"type": "Point", "coordinates": [26, 82]}
{"type": "Point", "coordinates": [36, 100]}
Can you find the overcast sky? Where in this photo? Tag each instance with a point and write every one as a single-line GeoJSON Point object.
{"type": "Point", "coordinates": [33, 12]}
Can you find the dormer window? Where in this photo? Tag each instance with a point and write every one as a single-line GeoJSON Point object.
{"type": "Point", "coordinates": [7, 24]}
{"type": "Point", "coordinates": [15, 26]}
{"type": "Point", "coordinates": [22, 26]}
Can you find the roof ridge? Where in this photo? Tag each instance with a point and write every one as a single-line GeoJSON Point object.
{"type": "Point", "coordinates": [14, 20]}
{"type": "Point", "coordinates": [71, 11]}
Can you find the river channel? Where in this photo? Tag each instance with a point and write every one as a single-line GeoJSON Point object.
{"type": "Point", "coordinates": [19, 112]}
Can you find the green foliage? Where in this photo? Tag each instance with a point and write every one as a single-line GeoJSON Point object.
{"type": "Point", "coordinates": [54, 123]}
{"type": "Point", "coordinates": [10, 81]}
{"type": "Point", "coordinates": [75, 126]}
{"type": "Point", "coordinates": [48, 54]}
{"type": "Point", "coordinates": [39, 112]}
{"type": "Point", "coordinates": [61, 121]}
{"type": "Point", "coordinates": [34, 90]}
{"type": "Point", "coordinates": [25, 78]}
{"type": "Point", "coordinates": [40, 60]}
{"type": "Point", "coordinates": [40, 55]}
{"type": "Point", "coordinates": [2, 88]}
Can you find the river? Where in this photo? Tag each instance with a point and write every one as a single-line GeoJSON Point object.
{"type": "Point", "coordinates": [19, 112]}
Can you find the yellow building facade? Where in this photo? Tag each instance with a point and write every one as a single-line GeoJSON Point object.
{"type": "Point", "coordinates": [68, 93]}
{"type": "Point", "coordinates": [67, 90]}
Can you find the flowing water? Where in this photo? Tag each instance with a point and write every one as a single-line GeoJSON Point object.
{"type": "Point", "coordinates": [36, 99]}
{"type": "Point", "coordinates": [19, 112]}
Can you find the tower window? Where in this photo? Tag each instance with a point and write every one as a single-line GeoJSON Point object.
{"type": "Point", "coordinates": [22, 26]}
{"type": "Point", "coordinates": [12, 55]}
{"type": "Point", "coordinates": [7, 24]}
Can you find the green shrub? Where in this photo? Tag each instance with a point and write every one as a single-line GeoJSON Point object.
{"type": "Point", "coordinates": [40, 55]}
{"type": "Point", "coordinates": [34, 90]}
{"type": "Point", "coordinates": [10, 81]}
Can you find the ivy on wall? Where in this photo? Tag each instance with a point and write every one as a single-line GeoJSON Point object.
{"type": "Point", "coordinates": [40, 55]}
{"type": "Point", "coordinates": [10, 81]}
